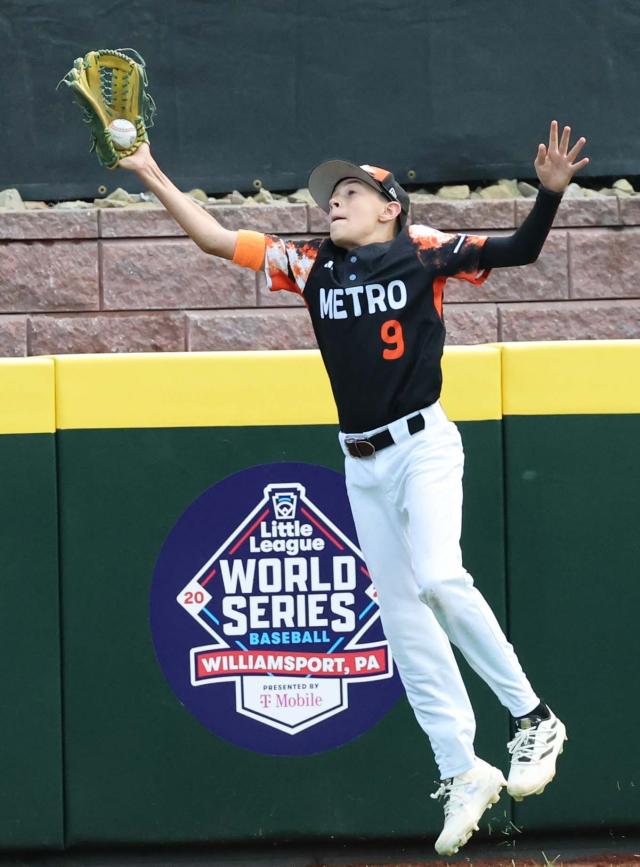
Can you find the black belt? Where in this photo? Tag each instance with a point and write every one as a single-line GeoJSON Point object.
{"type": "Point", "coordinates": [366, 447]}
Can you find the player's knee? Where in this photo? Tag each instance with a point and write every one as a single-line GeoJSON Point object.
{"type": "Point", "coordinates": [432, 595]}
{"type": "Point", "coordinates": [440, 586]}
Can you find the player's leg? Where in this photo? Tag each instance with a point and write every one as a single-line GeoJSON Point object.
{"type": "Point", "coordinates": [420, 648]}
{"type": "Point", "coordinates": [432, 498]}
{"type": "Point", "coordinates": [424, 658]}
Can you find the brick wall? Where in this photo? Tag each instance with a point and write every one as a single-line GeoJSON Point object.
{"type": "Point", "coordinates": [128, 280]}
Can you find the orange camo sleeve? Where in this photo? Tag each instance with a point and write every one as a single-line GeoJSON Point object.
{"type": "Point", "coordinates": [452, 255]}
{"type": "Point", "coordinates": [250, 249]}
{"type": "Point", "coordinates": [468, 268]}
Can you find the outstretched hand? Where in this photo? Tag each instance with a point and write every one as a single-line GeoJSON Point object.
{"type": "Point", "coordinates": [141, 159]}
{"type": "Point", "coordinates": [554, 164]}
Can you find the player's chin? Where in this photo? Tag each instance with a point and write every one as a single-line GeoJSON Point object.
{"type": "Point", "coordinates": [339, 230]}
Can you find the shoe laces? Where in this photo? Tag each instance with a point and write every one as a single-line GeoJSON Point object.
{"type": "Point", "coordinates": [524, 744]}
{"type": "Point", "coordinates": [452, 795]}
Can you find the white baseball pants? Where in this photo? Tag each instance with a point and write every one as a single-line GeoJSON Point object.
{"type": "Point", "coordinates": [407, 506]}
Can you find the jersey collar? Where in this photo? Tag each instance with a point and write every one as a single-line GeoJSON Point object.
{"type": "Point", "coordinates": [367, 253]}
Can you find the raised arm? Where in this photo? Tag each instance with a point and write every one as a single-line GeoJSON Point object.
{"type": "Point", "coordinates": [555, 168]}
{"type": "Point", "coordinates": [204, 229]}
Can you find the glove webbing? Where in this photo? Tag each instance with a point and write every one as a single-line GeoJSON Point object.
{"type": "Point", "coordinates": [114, 86]}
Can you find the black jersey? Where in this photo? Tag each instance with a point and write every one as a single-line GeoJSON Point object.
{"type": "Point", "coordinates": [377, 314]}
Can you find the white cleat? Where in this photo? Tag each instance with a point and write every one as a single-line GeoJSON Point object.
{"type": "Point", "coordinates": [534, 750]}
{"type": "Point", "coordinates": [465, 798]}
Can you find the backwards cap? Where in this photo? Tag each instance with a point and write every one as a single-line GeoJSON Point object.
{"type": "Point", "coordinates": [323, 179]}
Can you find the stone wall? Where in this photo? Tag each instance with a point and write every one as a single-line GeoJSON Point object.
{"type": "Point", "coordinates": [128, 280]}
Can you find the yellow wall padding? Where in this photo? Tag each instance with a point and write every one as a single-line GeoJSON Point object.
{"type": "Point", "coordinates": [240, 388]}
{"type": "Point", "coordinates": [279, 388]}
{"type": "Point", "coordinates": [192, 390]}
{"type": "Point", "coordinates": [27, 396]}
{"type": "Point", "coordinates": [471, 389]}
{"type": "Point", "coordinates": [571, 377]}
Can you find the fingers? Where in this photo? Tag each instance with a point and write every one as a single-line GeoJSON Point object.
{"type": "Point", "coordinates": [562, 147]}
{"type": "Point", "coordinates": [564, 141]}
{"type": "Point", "coordinates": [577, 166]}
{"type": "Point", "coordinates": [575, 150]}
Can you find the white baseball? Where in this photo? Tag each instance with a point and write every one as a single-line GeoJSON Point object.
{"type": "Point", "coordinates": [123, 133]}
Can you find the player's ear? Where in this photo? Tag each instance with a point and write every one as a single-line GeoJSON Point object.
{"type": "Point", "coordinates": [390, 212]}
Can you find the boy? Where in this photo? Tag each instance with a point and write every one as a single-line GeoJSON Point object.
{"type": "Point", "coordinates": [374, 293]}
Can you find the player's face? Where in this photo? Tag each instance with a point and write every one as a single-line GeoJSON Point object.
{"type": "Point", "coordinates": [354, 211]}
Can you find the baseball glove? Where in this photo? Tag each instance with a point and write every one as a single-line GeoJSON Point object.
{"type": "Point", "coordinates": [109, 85]}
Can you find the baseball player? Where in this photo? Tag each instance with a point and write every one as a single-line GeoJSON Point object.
{"type": "Point", "coordinates": [374, 292]}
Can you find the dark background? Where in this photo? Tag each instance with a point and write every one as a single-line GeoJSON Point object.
{"type": "Point", "coordinates": [455, 90]}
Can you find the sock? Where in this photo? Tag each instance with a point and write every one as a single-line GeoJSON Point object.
{"type": "Point", "coordinates": [541, 710]}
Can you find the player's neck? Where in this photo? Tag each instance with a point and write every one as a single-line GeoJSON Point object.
{"type": "Point", "coordinates": [377, 237]}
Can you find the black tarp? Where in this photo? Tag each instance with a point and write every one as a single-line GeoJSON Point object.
{"type": "Point", "coordinates": [455, 90]}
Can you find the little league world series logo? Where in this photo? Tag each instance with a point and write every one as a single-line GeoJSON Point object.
{"type": "Point", "coordinates": [264, 616]}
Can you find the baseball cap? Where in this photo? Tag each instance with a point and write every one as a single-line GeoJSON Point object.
{"type": "Point", "coordinates": [324, 177]}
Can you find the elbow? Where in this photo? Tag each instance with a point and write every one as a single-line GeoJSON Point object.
{"type": "Point", "coordinates": [525, 257]}
{"type": "Point", "coordinates": [208, 245]}
{"type": "Point", "coordinates": [221, 244]}
{"type": "Point", "coordinates": [534, 255]}
{"type": "Point", "coordinates": [204, 246]}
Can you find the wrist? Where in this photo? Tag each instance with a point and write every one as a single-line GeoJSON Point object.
{"type": "Point", "coordinates": [550, 192]}
{"type": "Point", "coordinates": [149, 171]}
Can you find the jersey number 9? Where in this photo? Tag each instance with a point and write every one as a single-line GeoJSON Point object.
{"type": "Point", "coordinates": [391, 334]}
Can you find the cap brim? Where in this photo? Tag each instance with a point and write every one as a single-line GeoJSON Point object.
{"type": "Point", "coordinates": [323, 179]}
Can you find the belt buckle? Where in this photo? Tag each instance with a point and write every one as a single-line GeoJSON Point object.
{"type": "Point", "coordinates": [360, 448]}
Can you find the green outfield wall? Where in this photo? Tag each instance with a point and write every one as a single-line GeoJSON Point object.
{"type": "Point", "coordinates": [139, 439]}
{"type": "Point", "coordinates": [102, 455]}
{"type": "Point", "coordinates": [31, 812]}
{"type": "Point", "coordinates": [572, 466]}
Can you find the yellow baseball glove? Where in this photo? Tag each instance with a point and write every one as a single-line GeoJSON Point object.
{"type": "Point", "coordinates": [108, 85]}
